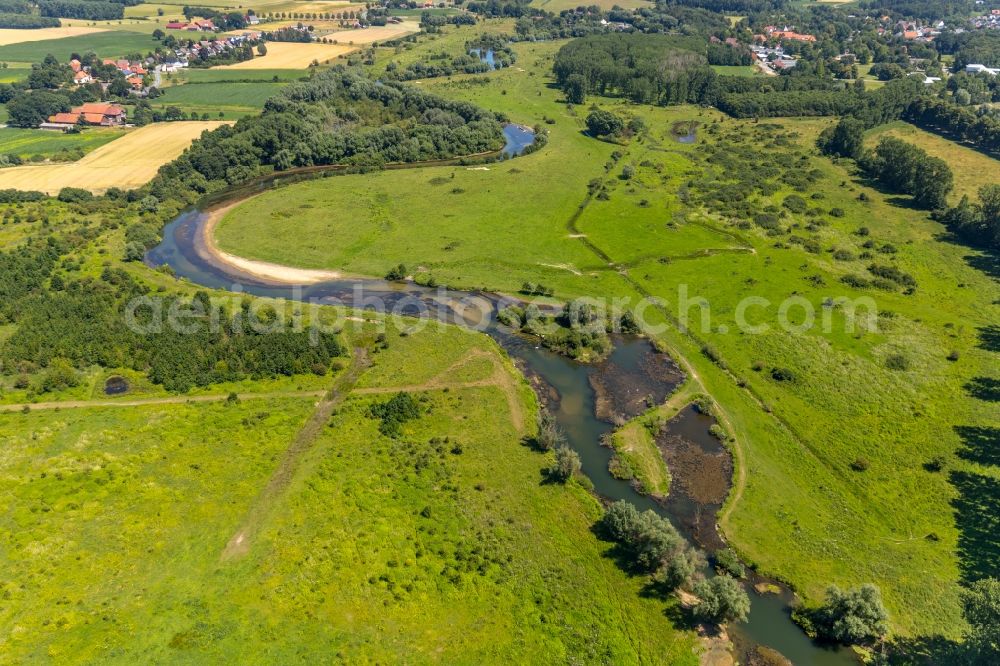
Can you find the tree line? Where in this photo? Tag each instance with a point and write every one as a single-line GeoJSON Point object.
{"type": "Point", "coordinates": [337, 117]}
{"type": "Point", "coordinates": [908, 169]}
{"type": "Point", "coordinates": [955, 122]}
{"type": "Point", "coordinates": [650, 69]}
{"type": "Point", "coordinates": [81, 322]}
{"type": "Point", "coordinates": [88, 10]}
{"type": "Point", "coordinates": [27, 21]}
{"type": "Point", "coordinates": [905, 168]}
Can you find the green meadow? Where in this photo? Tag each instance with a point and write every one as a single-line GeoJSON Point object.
{"type": "Point", "coordinates": [859, 450]}
{"type": "Point", "coordinates": [32, 143]}
{"type": "Point", "coordinates": [12, 74]}
{"type": "Point", "coordinates": [113, 43]}
{"type": "Point", "coordinates": [973, 169]}
{"type": "Point", "coordinates": [441, 544]}
{"type": "Point", "coordinates": [234, 76]}
{"type": "Point", "coordinates": [232, 99]}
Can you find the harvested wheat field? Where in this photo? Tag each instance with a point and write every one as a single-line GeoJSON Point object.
{"type": "Point", "coordinates": [373, 34]}
{"type": "Point", "coordinates": [14, 36]}
{"type": "Point", "coordinates": [317, 6]}
{"type": "Point", "coordinates": [290, 55]}
{"type": "Point", "coordinates": [332, 29]}
{"type": "Point", "coordinates": [127, 162]}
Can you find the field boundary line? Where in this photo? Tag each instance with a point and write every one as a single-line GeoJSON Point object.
{"type": "Point", "coordinates": [282, 476]}
{"type": "Point", "coordinates": [141, 402]}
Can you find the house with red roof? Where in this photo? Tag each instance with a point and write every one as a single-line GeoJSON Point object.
{"type": "Point", "coordinates": [103, 114]}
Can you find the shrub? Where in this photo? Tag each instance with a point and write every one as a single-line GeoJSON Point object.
{"type": "Point", "coordinates": [604, 123]}
{"type": "Point", "coordinates": [721, 599]}
{"type": "Point", "coordinates": [855, 616]}
{"type": "Point", "coordinates": [935, 464]}
{"type": "Point", "coordinates": [619, 521]}
{"type": "Point", "coordinates": [549, 436]}
{"type": "Point", "coordinates": [861, 464]}
{"type": "Point", "coordinates": [782, 375]}
{"type": "Point", "coordinates": [74, 195]}
{"type": "Point", "coordinates": [567, 464]}
{"type": "Point", "coordinates": [892, 273]}
{"type": "Point", "coordinates": [897, 362]}
{"type": "Point", "coordinates": [727, 561]}
{"type": "Point", "coordinates": [394, 412]}
{"type": "Point", "coordinates": [396, 273]}
{"type": "Point", "coordinates": [794, 203]}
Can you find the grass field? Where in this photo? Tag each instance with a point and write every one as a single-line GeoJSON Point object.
{"type": "Point", "coordinates": [736, 70]}
{"type": "Point", "coordinates": [234, 100]}
{"type": "Point", "coordinates": [418, 550]}
{"type": "Point", "coordinates": [28, 143]}
{"type": "Point", "coordinates": [107, 43]}
{"type": "Point", "coordinates": [227, 76]}
{"type": "Point", "coordinates": [12, 74]}
{"type": "Point", "coordinates": [128, 162]}
{"type": "Point", "coordinates": [556, 6]}
{"type": "Point", "coordinates": [799, 510]}
{"type": "Point", "coordinates": [289, 55]}
{"type": "Point", "coordinates": [972, 168]}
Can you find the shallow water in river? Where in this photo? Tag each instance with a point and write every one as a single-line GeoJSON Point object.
{"type": "Point", "coordinates": [702, 466]}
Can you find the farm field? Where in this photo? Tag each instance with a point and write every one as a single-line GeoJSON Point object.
{"type": "Point", "coordinates": [127, 162]}
{"type": "Point", "coordinates": [972, 168]}
{"type": "Point", "coordinates": [224, 76]}
{"type": "Point", "coordinates": [130, 491]}
{"type": "Point", "coordinates": [289, 55]}
{"type": "Point", "coordinates": [28, 143]}
{"type": "Point", "coordinates": [369, 35]}
{"type": "Point", "coordinates": [105, 43]}
{"type": "Point", "coordinates": [556, 6]}
{"type": "Point", "coordinates": [234, 100]}
{"type": "Point", "coordinates": [12, 74]}
{"type": "Point", "coordinates": [476, 228]}
{"type": "Point", "coordinates": [13, 36]}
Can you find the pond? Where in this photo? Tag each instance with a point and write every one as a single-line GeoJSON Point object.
{"type": "Point", "coordinates": [518, 137]}
{"type": "Point", "coordinates": [115, 385]}
{"type": "Point", "coordinates": [486, 56]}
{"type": "Point", "coordinates": [685, 131]}
{"type": "Point", "coordinates": [576, 394]}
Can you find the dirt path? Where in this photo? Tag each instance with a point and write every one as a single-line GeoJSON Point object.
{"type": "Point", "coordinates": [500, 379]}
{"type": "Point", "coordinates": [239, 544]}
{"type": "Point", "coordinates": [139, 402]}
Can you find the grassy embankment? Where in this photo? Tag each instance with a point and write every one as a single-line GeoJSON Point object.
{"type": "Point", "coordinates": [799, 510]}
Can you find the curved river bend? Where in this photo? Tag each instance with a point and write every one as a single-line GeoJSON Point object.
{"type": "Point", "coordinates": [567, 386]}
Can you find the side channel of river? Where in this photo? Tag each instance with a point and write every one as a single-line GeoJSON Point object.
{"type": "Point", "coordinates": [701, 469]}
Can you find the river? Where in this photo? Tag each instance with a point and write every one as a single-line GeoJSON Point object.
{"type": "Point", "coordinates": [566, 386]}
